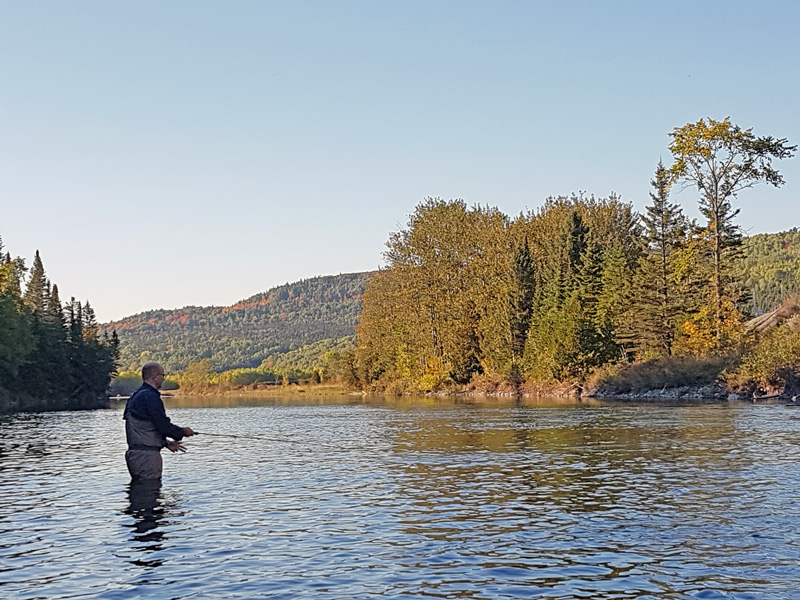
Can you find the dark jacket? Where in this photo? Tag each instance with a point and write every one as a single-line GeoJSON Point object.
{"type": "Point", "coordinates": [147, 425]}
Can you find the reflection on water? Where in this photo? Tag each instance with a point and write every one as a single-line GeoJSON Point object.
{"type": "Point", "coordinates": [149, 509]}
{"type": "Point", "coordinates": [419, 498]}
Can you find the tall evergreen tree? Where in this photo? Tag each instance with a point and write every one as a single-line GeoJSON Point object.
{"type": "Point", "coordinates": [521, 300]}
{"type": "Point", "coordinates": [55, 310]}
{"type": "Point", "coordinates": [657, 299]}
{"type": "Point", "coordinates": [89, 323]}
{"type": "Point", "coordinates": [16, 338]}
{"type": "Point", "coordinates": [578, 244]}
{"type": "Point", "coordinates": [36, 290]}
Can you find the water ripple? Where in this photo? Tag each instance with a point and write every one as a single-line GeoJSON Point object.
{"type": "Point", "coordinates": [413, 499]}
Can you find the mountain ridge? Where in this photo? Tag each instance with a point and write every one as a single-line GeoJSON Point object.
{"type": "Point", "coordinates": [248, 332]}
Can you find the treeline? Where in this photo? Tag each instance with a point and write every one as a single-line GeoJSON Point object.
{"type": "Point", "coordinates": [247, 335]}
{"type": "Point", "coordinates": [51, 354]}
{"type": "Point", "coordinates": [472, 297]}
{"type": "Point", "coordinates": [319, 362]}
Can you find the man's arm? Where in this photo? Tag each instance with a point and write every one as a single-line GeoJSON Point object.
{"type": "Point", "coordinates": [157, 415]}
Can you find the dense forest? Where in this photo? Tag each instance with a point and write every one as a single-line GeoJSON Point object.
{"type": "Point", "coordinates": [573, 293]}
{"type": "Point", "coordinates": [769, 269]}
{"type": "Point", "coordinates": [578, 289]}
{"type": "Point", "coordinates": [767, 272]}
{"type": "Point", "coordinates": [584, 285]}
{"type": "Point", "coordinates": [52, 355]}
{"type": "Point", "coordinates": [262, 330]}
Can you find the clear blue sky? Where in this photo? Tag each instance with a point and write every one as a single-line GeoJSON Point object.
{"type": "Point", "coordinates": [166, 153]}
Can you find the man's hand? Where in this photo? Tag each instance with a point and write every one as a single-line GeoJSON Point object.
{"type": "Point", "coordinates": [175, 447]}
{"type": "Point", "coordinates": [187, 431]}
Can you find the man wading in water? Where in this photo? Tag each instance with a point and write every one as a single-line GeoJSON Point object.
{"type": "Point", "coordinates": [147, 427]}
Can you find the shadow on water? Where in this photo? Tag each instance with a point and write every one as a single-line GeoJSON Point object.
{"type": "Point", "coordinates": [151, 510]}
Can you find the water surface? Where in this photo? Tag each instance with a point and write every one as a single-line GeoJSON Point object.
{"type": "Point", "coordinates": [419, 498]}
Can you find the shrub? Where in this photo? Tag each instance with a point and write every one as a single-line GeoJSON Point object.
{"type": "Point", "coordinates": [671, 372]}
{"type": "Point", "coordinates": [773, 363]}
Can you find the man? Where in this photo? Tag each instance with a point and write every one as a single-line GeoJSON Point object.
{"type": "Point", "coordinates": [147, 427]}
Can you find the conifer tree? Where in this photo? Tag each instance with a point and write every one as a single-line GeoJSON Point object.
{"type": "Point", "coordinates": [89, 322]}
{"type": "Point", "coordinates": [596, 344]}
{"type": "Point", "coordinates": [577, 238]}
{"type": "Point", "coordinates": [114, 345]}
{"type": "Point", "coordinates": [36, 290]}
{"type": "Point", "coordinates": [75, 318]}
{"type": "Point", "coordinates": [521, 300]}
{"type": "Point", "coordinates": [54, 309]}
{"type": "Point", "coordinates": [12, 272]}
{"type": "Point", "coordinates": [16, 338]}
{"type": "Point", "coordinates": [40, 358]}
{"type": "Point", "coordinates": [657, 299]}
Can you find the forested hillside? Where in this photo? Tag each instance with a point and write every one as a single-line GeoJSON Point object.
{"type": "Point", "coordinates": [275, 322]}
{"type": "Point", "coordinates": [770, 268]}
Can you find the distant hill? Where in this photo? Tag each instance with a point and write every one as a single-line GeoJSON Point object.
{"type": "Point", "coordinates": [770, 269]}
{"type": "Point", "coordinates": [275, 322]}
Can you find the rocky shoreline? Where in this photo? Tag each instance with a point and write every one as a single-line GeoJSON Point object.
{"type": "Point", "coordinates": [712, 391]}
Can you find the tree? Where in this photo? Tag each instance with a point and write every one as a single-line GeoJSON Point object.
{"type": "Point", "coordinates": [421, 309]}
{"type": "Point", "coordinates": [657, 302]}
{"type": "Point", "coordinates": [12, 271]}
{"type": "Point", "coordinates": [579, 283]}
{"type": "Point", "coordinates": [16, 338]}
{"type": "Point", "coordinates": [521, 301]}
{"type": "Point", "coordinates": [720, 159]}
{"type": "Point", "coordinates": [36, 291]}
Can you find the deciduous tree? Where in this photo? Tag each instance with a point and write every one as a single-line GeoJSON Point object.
{"type": "Point", "coordinates": [721, 159]}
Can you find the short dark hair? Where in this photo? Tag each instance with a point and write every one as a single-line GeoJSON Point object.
{"type": "Point", "coordinates": [149, 370]}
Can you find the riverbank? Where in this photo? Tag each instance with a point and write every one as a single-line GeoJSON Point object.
{"type": "Point", "coordinates": [294, 389]}
{"type": "Point", "coordinates": [699, 393]}
{"type": "Point", "coordinates": [13, 402]}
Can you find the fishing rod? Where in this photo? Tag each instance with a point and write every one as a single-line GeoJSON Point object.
{"type": "Point", "coordinates": [247, 437]}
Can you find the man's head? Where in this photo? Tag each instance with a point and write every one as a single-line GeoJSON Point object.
{"type": "Point", "coordinates": [153, 374]}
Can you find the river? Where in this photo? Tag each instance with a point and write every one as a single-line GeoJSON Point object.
{"type": "Point", "coordinates": [342, 499]}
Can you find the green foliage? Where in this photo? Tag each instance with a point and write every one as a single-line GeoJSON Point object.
{"type": "Point", "coordinates": [555, 295]}
{"type": "Point", "coordinates": [521, 293]}
{"type": "Point", "coordinates": [16, 336]}
{"type": "Point", "coordinates": [440, 312]}
{"type": "Point", "coordinates": [768, 271]}
{"type": "Point", "coordinates": [468, 293]}
{"type": "Point", "coordinates": [278, 321]}
{"type": "Point", "coordinates": [585, 252]}
{"type": "Point", "coordinates": [307, 359]}
{"type": "Point", "coordinates": [339, 366]}
{"type": "Point", "coordinates": [658, 298]}
{"type": "Point", "coordinates": [772, 364]}
{"type": "Point", "coordinates": [665, 372]}
{"type": "Point", "coordinates": [36, 291]}
{"type": "Point", "coordinates": [720, 159]}
{"type": "Point", "coordinates": [46, 358]}
{"type": "Point", "coordinates": [125, 383]}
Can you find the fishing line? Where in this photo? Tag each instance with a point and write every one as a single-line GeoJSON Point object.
{"type": "Point", "coordinates": [272, 439]}
{"type": "Point", "coordinates": [247, 437]}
